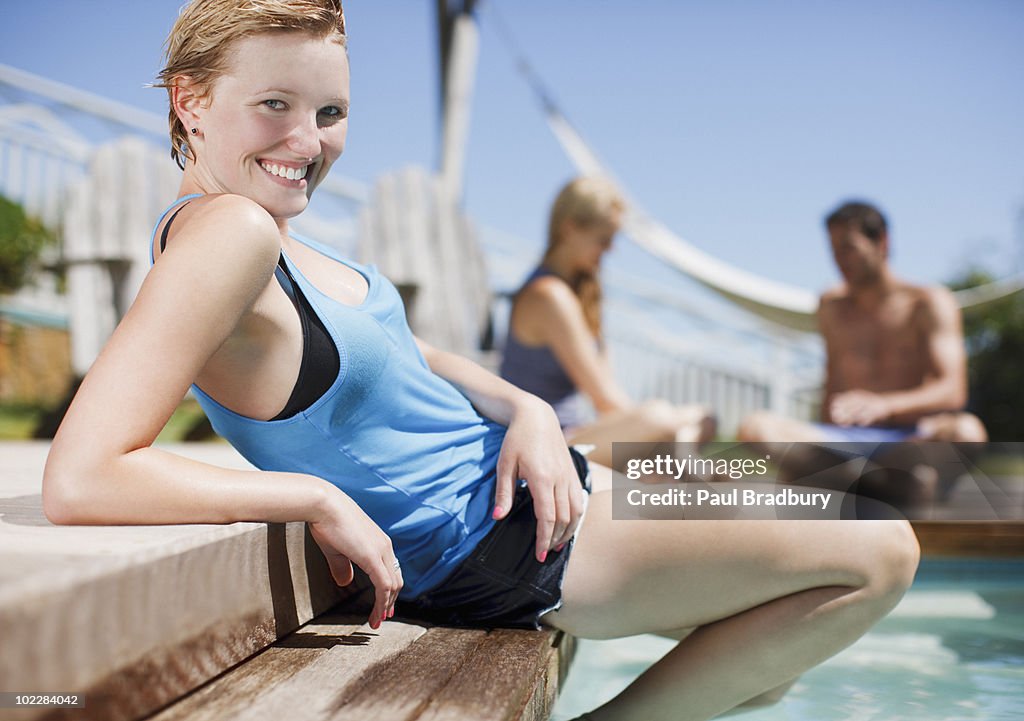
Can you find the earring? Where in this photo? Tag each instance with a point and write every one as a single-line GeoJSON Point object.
{"type": "Point", "coordinates": [195, 131]}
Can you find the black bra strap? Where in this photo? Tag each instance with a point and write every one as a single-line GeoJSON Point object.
{"type": "Point", "coordinates": [167, 226]}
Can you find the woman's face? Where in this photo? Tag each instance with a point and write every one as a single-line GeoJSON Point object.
{"type": "Point", "coordinates": [275, 122]}
{"type": "Point", "coordinates": [588, 243]}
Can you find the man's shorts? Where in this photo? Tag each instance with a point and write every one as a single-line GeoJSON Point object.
{"type": "Point", "coordinates": [864, 434]}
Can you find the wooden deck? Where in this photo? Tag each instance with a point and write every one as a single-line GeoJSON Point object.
{"type": "Point", "coordinates": [983, 516]}
{"type": "Point", "coordinates": [1003, 539]}
{"type": "Point", "coordinates": [231, 621]}
{"type": "Point", "coordinates": [337, 668]}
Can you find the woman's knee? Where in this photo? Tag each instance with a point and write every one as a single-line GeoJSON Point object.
{"type": "Point", "coordinates": [755, 427]}
{"type": "Point", "coordinates": [659, 416]}
{"type": "Point", "coordinates": [892, 556]}
{"type": "Point", "coordinates": [669, 422]}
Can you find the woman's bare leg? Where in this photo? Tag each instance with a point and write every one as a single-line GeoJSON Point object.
{"type": "Point", "coordinates": [767, 698]}
{"type": "Point", "coordinates": [770, 600]}
{"type": "Point", "coordinates": [650, 422]}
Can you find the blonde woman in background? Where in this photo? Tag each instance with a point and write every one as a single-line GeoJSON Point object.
{"type": "Point", "coordinates": [556, 347]}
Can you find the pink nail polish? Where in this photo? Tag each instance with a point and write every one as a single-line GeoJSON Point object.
{"type": "Point", "coordinates": [543, 556]}
{"type": "Point", "coordinates": [497, 513]}
{"type": "Point", "coordinates": [559, 549]}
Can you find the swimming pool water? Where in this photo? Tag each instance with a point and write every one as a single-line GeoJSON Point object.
{"type": "Point", "coordinates": [953, 650]}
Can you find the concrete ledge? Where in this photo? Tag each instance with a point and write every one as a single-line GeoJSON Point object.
{"type": "Point", "coordinates": [134, 617]}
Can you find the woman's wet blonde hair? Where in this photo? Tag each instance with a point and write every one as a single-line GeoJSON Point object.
{"type": "Point", "coordinates": [584, 201]}
{"type": "Point", "coordinates": [200, 42]}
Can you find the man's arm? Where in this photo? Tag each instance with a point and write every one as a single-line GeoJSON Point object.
{"type": "Point", "coordinates": [945, 385]}
{"type": "Point", "coordinates": [827, 328]}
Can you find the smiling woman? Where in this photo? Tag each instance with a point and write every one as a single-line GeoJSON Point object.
{"type": "Point", "coordinates": [452, 489]}
{"type": "Point", "coordinates": [281, 116]}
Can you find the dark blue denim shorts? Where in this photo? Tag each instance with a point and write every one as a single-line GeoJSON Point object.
{"type": "Point", "coordinates": [501, 583]}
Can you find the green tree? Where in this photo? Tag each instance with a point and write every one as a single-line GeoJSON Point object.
{"type": "Point", "coordinates": [995, 347]}
{"type": "Point", "coordinates": [22, 239]}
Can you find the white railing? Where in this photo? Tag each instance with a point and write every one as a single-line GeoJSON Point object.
{"type": "Point", "coordinates": [649, 369]}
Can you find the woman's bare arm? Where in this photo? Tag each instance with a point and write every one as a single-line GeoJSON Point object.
{"type": "Point", "coordinates": [534, 448]}
{"type": "Point", "coordinates": [102, 468]}
{"type": "Point", "coordinates": [555, 312]}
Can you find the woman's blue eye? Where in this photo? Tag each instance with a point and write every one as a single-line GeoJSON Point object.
{"type": "Point", "coordinates": [332, 111]}
{"type": "Point", "coordinates": [274, 104]}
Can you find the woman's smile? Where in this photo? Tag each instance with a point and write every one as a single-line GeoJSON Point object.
{"type": "Point", "coordinates": [287, 174]}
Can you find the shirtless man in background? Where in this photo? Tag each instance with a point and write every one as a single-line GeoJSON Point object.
{"type": "Point", "coordinates": [896, 367]}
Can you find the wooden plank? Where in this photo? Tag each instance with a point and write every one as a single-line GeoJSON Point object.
{"type": "Point", "coordinates": [386, 227]}
{"type": "Point", "coordinates": [415, 205]}
{"type": "Point", "coordinates": [479, 298]}
{"type": "Point", "coordinates": [970, 538]}
{"type": "Point", "coordinates": [417, 234]}
{"type": "Point", "coordinates": [336, 669]}
{"type": "Point", "coordinates": [138, 172]}
{"type": "Point", "coordinates": [91, 313]}
{"type": "Point", "coordinates": [428, 316]}
{"type": "Point", "coordinates": [243, 686]}
{"type": "Point", "coordinates": [103, 174]}
{"type": "Point", "coordinates": [399, 689]}
{"type": "Point", "coordinates": [451, 272]}
{"type": "Point", "coordinates": [498, 681]}
{"type": "Point", "coordinates": [320, 689]}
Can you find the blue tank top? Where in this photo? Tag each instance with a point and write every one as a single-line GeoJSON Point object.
{"type": "Point", "coordinates": [536, 370]}
{"type": "Point", "coordinates": [406, 445]}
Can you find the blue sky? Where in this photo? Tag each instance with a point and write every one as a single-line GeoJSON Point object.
{"type": "Point", "coordinates": [737, 123]}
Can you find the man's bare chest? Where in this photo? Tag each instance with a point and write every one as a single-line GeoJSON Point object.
{"type": "Point", "coordinates": [886, 342]}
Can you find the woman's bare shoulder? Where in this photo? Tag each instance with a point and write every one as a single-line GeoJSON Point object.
{"type": "Point", "coordinates": [547, 310]}
{"type": "Point", "coordinates": [550, 292]}
{"type": "Point", "coordinates": [224, 224]}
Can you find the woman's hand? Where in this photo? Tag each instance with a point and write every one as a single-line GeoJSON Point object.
{"type": "Point", "coordinates": [534, 449]}
{"type": "Point", "coordinates": [346, 535]}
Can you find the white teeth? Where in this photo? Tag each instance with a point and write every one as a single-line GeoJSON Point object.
{"type": "Point", "coordinates": [285, 172]}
